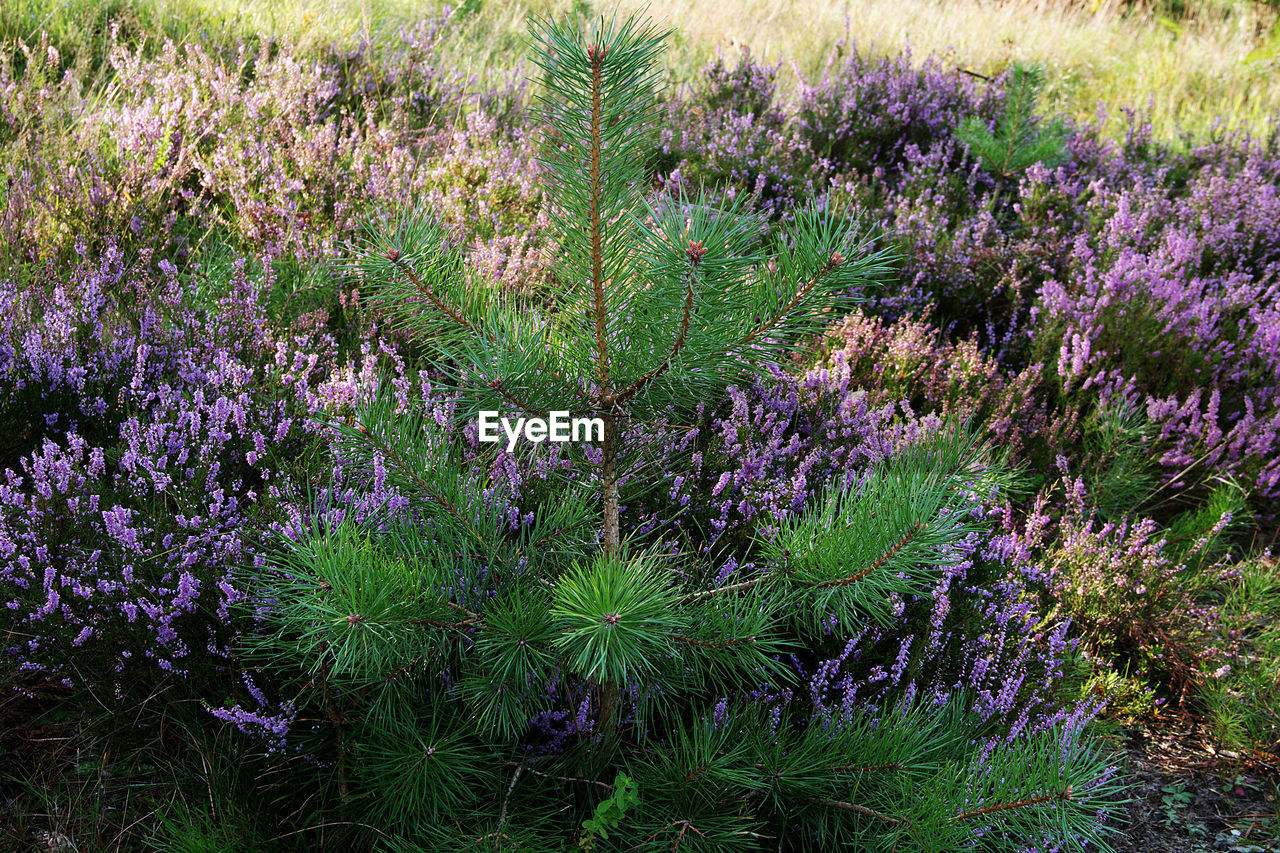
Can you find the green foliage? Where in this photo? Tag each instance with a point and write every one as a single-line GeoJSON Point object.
{"type": "Point", "coordinates": [1243, 701]}
{"type": "Point", "coordinates": [1121, 471]}
{"type": "Point", "coordinates": [516, 647]}
{"type": "Point", "coordinates": [348, 610]}
{"type": "Point", "coordinates": [189, 830]}
{"type": "Point", "coordinates": [528, 630]}
{"type": "Point", "coordinates": [1019, 140]}
{"type": "Point", "coordinates": [1127, 697]}
{"type": "Point", "coordinates": [886, 538]}
{"type": "Point", "coordinates": [1174, 799]}
{"type": "Point", "coordinates": [872, 783]}
{"type": "Point", "coordinates": [417, 764]}
{"type": "Point", "coordinates": [611, 810]}
{"type": "Point", "coordinates": [617, 618]}
{"type": "Point", "coordinates": [1159, 598]}
{"type": "Point", "coordinates": [660, 304]}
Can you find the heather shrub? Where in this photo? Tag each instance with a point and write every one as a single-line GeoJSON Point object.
{"type": "Point", "coordinates": [1152, 313]}
{"type": "Point", "coordinates": [484, 186]}
{"type": "Point", "coordinates": [401, 82]}
{"type": "Point", "coordinates": [191, 120]}
{"type": "Point", "coordinates": [912, 363]}
{"type": "Point", "coordinates": [728, 134]}
{"type": "Point", "coordinates": [767, 453]}
{"type": "Point", "coordinates": [863, 121]}
{"type": "Point", "coordinates": [278, 152]}
{"type": "Point", "coordinates": [1156, 297]}
{"type": "Point", "coordinates": [51, 199]}
{"type": "Point", "coordinates": [146, 436]}
{"type": "Point", "coordinates": [959, 262]}
{"type": "Point", "coordinates": [748, 88]}
{"type": "Point", "coordinates": [866, 112]}
{"type": "Point", "coordinates": [1145, 596]}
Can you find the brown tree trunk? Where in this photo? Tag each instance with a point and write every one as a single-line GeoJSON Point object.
{"type": "Point", "coordinates": [609, 694]}
{"type": "Point", "coordinates": [609, 484]}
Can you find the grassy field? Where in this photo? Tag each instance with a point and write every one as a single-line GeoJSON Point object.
{"type": "Point", "coordinates": [1192, 71]}
{"type": "Point", "coordinates": [1213, 64]}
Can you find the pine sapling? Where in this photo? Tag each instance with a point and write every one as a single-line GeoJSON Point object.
{"type": "Point", "coordinates": [1019, 140]}
{"type": "Point", "coordinates": [440, 640]}
{"type": "Point", "coordinates": [660, 302]}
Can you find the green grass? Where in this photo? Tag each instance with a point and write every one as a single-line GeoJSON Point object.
{"type": "Point", "coordinates": [163, 776]}
{"type": "Point", "coordinates": [1243, 705]}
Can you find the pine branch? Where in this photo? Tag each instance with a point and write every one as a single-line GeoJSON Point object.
{"type": "Point", "coordinates": [713, 644]}
{"type": "Point", "coordinates": [896, 547]}
{"type": "Point", "coordinates": [684, 826]}
{"type": "Point", "coordinates": [394, 674]}
{"type": "Point", "coordinates": [412, 472]}
{"type": "Point", "coordinates": [695, 773]}
{"type": "Point", "coordinates": [515, 402]}
{"type": "Point", "coordinates": [695, 253]}
{"type": "Point", "coordinates": [800, 294]}
{"type": "Point", "coordinates": [471, 617]}
{"type": "Point", "coordinates": [857, 768]}
{"type": "Point", "coordinates": [721, 590]}
{"type": "Point", "coordinates": [432, 623]}
{"type": "Point", "coordinates": [506, 800]}
{"type": "Point", "coordinates": [581, 780]}
{"type": "Point", "coordinates": [454, 315]}
{"type": "Point", "coordinates": [1065, 794]}
{"type": "Point", "coordinates": [857, 809]}
{"type": "Point", "coordinates": [335, 720]}
{"type": "Point", "coordinates": [1015, 114]}
{"type": "Point", "coordinates": [596, 56]}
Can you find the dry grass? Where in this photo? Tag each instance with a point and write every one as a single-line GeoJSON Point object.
{"type": "Point", "coordinates": [1190, 72]}
{"type": "Point", "coordinates": [1224, 63]}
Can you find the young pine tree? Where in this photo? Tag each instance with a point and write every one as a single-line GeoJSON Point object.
{"type": "Point", "coordinates": [431, 647]}
{"type": "Point", "coordinates": [659, 305]}
{"type": "Point", "coordinates": [1019, 140]}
